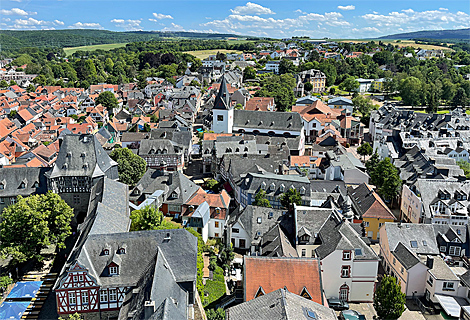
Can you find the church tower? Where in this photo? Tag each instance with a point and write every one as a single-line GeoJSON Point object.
{"type": "Point", "coordinates": [222, 113]}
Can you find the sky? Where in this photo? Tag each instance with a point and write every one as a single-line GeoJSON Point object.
{"type": "Point", "coordinates": [277, 19]}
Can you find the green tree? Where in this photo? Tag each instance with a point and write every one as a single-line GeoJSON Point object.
{"type": "Point", "coordinates": [46, 218]}
{"type": "Point", "coordinates": [215, 314]}
{"type": "Point", "coordinates": [131, 167]}
{"type": "Point", "coordinates": [3, 84]}
{"type": "Point", "coordinates": [109, 65]}
{"type": "Point", "coordinates": [261, 200]}
{"type": "Point", "coordinates": [73, 316]}
{"type": "Point", "coordinates": [460, 98]}
{"type": "Point", "coordinates": [5, 281]}
{"type": "Point", "coordinates": [147, 218]}
{"type": "Point", "coordinates": [286, 66]}
{"type": "Point", "coordinates": [212, 185]}
{"type": "Point", "coordinates": [349, 84]}
{"type": "Point", "coordinates": [249, 73]}
{"type": "Point", "coordinates": [372, 163]}
{"type": "Point", "coordinates": [465, 166]}
{"type": "Point", "coordinates": [153, 118]}
{"type": "Point", "coordinates": [308, 86]}
{"type": "Point", "coordinates": [365, 149]}
{"type": "Point", "coordinates": [385, 176]}
{"type": "Point", "coordinates": [107, 100]}
{"type": "Point", "coordinates": [226, 256]}
{"type": "Point", "coordinates": [30, 88]}
{"type": "Point", "coordinates": [408, 91]}
{"type": "Point", "coordinates": [389, 301]}
{"type": "Point", "coordinates": [289, 197]}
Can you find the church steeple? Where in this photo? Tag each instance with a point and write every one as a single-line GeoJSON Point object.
{"type": "Point", "coordinates": [223, 101]}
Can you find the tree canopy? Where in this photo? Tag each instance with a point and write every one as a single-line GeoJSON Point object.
{"type": "Point", "coordinates": [281, 88]}
{"type": "Point", "coordinates": [261, 200]}
{"type": "Point", "coordinates": [365, 149]}
{"type": "Point", "coordinates": [289, 197]}
{"type": "Point", "coordinates": [47, 220]}
{"type": "Point", "coordinates": [131, 167]}
{"type": "Point", "coordinates": [349, 84]}
{"type": "Point", "coordinates": [149, 218]}
{"type": "Point", "coordinates": [389, 301]}
{"type": "Point", "coordinates": [107, 100]}
{"type": "Point", "coordinates": [385, 176]}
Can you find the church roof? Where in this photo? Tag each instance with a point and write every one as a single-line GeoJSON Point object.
{"type": "Point", "coordinates": [222, 101]}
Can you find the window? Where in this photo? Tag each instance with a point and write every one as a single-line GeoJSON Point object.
{"type": "Point", "coordinates": [113, 270]}
{"type": "Point", "coordinates": [76, 199]}
{"type": "Point", "coordinates": [80, 278]}
{"type": "Point", "coordinates": [85, 297]}
{"type": "Point", "coordinates": [414, 244]}
{"type": "Point", "coordinates": [112, 295]}
{"type": "Point", "coordinates": [402, 270]}
{"type": "Point", "coordinates": [217, 224]}
{"type": "Point", "coordinates": [345, 271]}
{"type": "Point", "coordinates": [216, 235]}
{"type": "Point", "coordinates": [425, 243]}
{"type": "Point", "coordinates": [121, 251]}
{"type": "Point", "coordinates": [358, 252]}
{"type": "Point", "coordinates": [394, 260]}
{"type": "Point", "coordinates": [346, 255]}
{"type": "Point", "coordinates": [2, 201]}
{"type": "Point", "coordinates": [2, 186]}
{"type": "Point", "coordinates": [259, 220]}
{"type": "Point", "coordinates": [12, 200]}
{"type": "Point", "coordinates": [448, 286]}
{"type": "Point", "coordinates": [22, 185]}
{"type": "Point", "coordinates": [235, 230]}
{"type": "Point", "coordinates": [75, 279]}
{"type": "Point", "coordinates": [220, 117]}
{"type": "Point", "coordinates": [72, 298]}
{"type": "Point", "coordinates": [430, 280]}
{"type": "Point", "coordinates": [442, 248]}
{"type": "Point", "coordinates": [366, 224]}
{"type": "Point", "coordinates": [381, 224]}
{"type": "Point", "coordinates": [105, 252]}
{"type": "Point", "coordinates": [454, 251]}
{"type": "Point", "coordinates": [103, 296]}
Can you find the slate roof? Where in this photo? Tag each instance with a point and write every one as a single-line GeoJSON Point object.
{"type": "Point", "coordinates": [275, 243]}
{"type": "Point", "coordinates": [441, 271]}
{"type": "Point", "coordinates": [340, 235]}
{"type": "Point", "coordinates": [82, 155]}
{"type": "Point", "coordinates": [406, 257]}
{"type": "Point", "coordinates": [12, 178]}
{"type": "Point", "coordinates": [280, 305]}
{"type": "Point", "coordinates": [407, 232]}
{"type": "Point", "coordinates": [273, 183]}
{"type": "Point", "coordinates": [275, 273]}
{"type": "Point", "coordinates": [311, 220]}
{"type": "Point", "coordinates": [222, 100]}
{"type": "Point", "coordinates": [465, 278]}
{"type": "Point", "coordinates": [368, 204]}
{"type": "Point", "coordinates": [285, 121]}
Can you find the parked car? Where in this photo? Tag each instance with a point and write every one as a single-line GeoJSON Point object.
{"type": "Point", "coordinates": [337, 304]}
{"type": "Point", "coordinates": [351, 315]}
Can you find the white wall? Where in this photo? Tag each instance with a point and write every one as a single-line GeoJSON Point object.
{"type": "Point", "coordinates": [213, 230]}
{"type": "Point", "coordinates": [240, 235]}
{"type": "Point", "coordinates": [224, 126]}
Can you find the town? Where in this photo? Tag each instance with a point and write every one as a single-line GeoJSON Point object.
{"type": "Point", "coordinates": [271, 179]}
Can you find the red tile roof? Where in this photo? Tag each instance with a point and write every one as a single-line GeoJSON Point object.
{"type": "Point", "coordinates": [275, 273]}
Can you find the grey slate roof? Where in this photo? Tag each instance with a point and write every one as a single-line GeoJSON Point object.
{"type": "Point", "coordinates": [275, 243]}
{"type": "Point", "coordinates": [286, 121]}
{"type": "Point", "coordinates": [280, 305]}
{"type": "Point", "coordinates": [222, 100]}
{"type": "Point", "coordinates": [12, 179]}
{"type": "Point", "coordinates": [254, 181]}
{"type": "Point", "coordinates": [441, 271]}
{"type": "Point", "coordinates": [406, 257]}
{"type": "Point", "coordinates": [310, 221]}
{"type": "Point", "coordinates": [82, 155]}
{"type": "Point", "coordinates": [340, 235]}
{"type": "Point", "coordinates": [407, 232]}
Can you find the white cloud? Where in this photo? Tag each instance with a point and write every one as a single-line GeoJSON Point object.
{"type": "Point", "coordinates": [161, 16]}
{"type": "Point", "coordinates": [16, 0]}
{"type": "Point", "coordinates": [251, 8]}
{"type": "Point", "coordinates": [130, 25]}
{"type": "Point", "coordinates": [85, 25]}
{"type": "Point", "coordinates": [32, 22]}
{"type": "Point", "coordinates": [419, 20]}
{"type": "Point", "coordinates": [174, 27]}
{"type": "Point", "coordinates": [6, 19]}
{"type": "Point", "coordinates": [346, 8]}
{"type": "Point", "coordinates": [60, 23]}
{"type": "Point", "coordinates": [16, 12]}
{"type": "Point", "coordinates": [443, 9]}
{"type": "Point", "coordinates": [300, 11]}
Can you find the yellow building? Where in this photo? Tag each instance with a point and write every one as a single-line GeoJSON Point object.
{"type": "Point", "coordinates": [370, 208]}
{"type": "Point", "coordinates": [378, 85]}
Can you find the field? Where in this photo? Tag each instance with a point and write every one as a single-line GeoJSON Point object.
{"type": "Point", "coordinates": [202, 54]}
{"type": "Point", "coordinates": [72, 50]}
{"type": "Point", "coordinates": [402, 43]}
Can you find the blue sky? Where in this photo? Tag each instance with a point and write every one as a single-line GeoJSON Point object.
{"type": "Point", "coordinates": [280, 19]}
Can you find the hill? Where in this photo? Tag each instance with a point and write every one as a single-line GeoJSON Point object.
{"type": "Point", "coordinates": [12, 40]}
{"type": "Point", "coordinates": [460, 34]}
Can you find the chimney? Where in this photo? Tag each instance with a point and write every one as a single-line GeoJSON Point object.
{"type": "Point", "coordinates": [281, 167]}
{"type": "Point", "coordinates": [149, 309]}
{"type": "Point", "coordinates": [429, 262]}
{"type": "Point", "coordinates": [170, 178]}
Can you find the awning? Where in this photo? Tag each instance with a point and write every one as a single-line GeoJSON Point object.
{"type": "Point", "coordinates": [25, 289]}
{"type": "Point", "coordinates": [13, 310]}
{"type": "Point", "coordinates": [449, 304]}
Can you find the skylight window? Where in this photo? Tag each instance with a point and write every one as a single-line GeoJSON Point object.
{"type": "Point", "coordinates": [358, 252]}
{"type": "Point", "coordinates": [414, 244]}
{"type": "Point", "coordinates": [311, 314]}
{"type": "Point", "coordinates": [425, 243]}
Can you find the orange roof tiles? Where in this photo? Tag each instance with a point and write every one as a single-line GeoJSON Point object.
{"type": "Point", "coordinates": [213, 136]}
{"type": "Point", "coordinates": [259, 103]}
{"type": "Point", "coordinates": [275, 273]}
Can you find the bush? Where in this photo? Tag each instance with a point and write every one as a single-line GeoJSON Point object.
{"type": "Point", "coordinates": [215, 288]}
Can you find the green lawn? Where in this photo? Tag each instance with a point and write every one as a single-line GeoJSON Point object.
{"type": "Point", "coordinates": [109, 46]}
{"type": "Point", "coordinates": [203, 54]}
{"type": "Point", "coordinates": [215, 288]}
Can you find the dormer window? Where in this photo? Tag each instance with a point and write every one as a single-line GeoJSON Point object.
{"type": "Point", "coordinates": [22, 185]}
{"type": "Point", "coordinates": [302, 190]}
{"type": "Point", "coordinates": [121, 251]}
{"type": "Point", "coordinates": [2, 186]}
{"type": "Point", "coordinates": [35, 185]}
{"type": "Point", "coordinates": [263, 185]}
{"type": "Point", "coordinates": [272, 187]}
{"type": "Point", "coordinates": [69, 154]}
{"type": "Point", "coordinates": [282, 187]}
{"type": "Point", "coordinates": [217, 210]}
{"type": "Point", "coordinates": [152, 151]}
{"type": "Point", "coordinates": [174, 195]}
{"type": "Point", "coordinates": [113, 270]}
{"type": "Point", "coordinates": [106, 252]}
